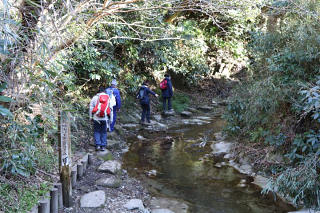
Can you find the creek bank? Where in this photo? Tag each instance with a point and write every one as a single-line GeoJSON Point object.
{"type": "Point", "coordinates": [127, 190]}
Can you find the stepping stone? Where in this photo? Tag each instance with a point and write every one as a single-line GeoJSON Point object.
{"type": "Point", "coordinates": [93, 199]}
{"type": "Point", "coordinates": [194, 121]}
{"type": "Point", "coordinates": [157, 117]}
{"type": "Point", "coordinates": [111, 166]}
{"type": "Point", "coordinates": [192, 109]}
{"type": "Point", "coordinates": [113, 144]}
{"type": "Point", "coordinates": [105, 155]}
{"type": "Point", "coordinates": [161, 211]}
{"type": "Point", "coordinates": [205, 108]}
{"type": "Point", "coordinates": [186, 114]}
{"type": "Point", "coordinates": [214, 103]}
{"type": "Point", "coordinates": [134, 204]}
{"type": "Point", "coordinates": [169, 113]}
{"type": "Point", "coordinates": [111, 182]}
{"type": "Point", "coordinates": [130, 126]}
{"type": "Point", "coordinates": [221, 147]}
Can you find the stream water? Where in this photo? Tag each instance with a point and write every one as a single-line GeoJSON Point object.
{"type": "Point", "coordinates": [182, 173]}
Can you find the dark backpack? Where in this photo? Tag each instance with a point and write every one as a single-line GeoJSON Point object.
{"type": "Point", "coordinates": [141, 93]}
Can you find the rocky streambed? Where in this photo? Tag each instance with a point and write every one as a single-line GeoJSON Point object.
{"type": "Point", "coordinates": [180, 163]}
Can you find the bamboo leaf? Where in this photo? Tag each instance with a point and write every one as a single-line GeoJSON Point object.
{"type": "Point", "coordinates": [5, 111]}
{"type": "Point", "coordinates": [5, 99]}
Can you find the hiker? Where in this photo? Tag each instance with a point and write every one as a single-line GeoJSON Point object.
{"type": "Point", "coordinates": [116, 93]}
{"type": "Point", "coordinates": [100, 111]}
{"type": "Point", "coordinates": [143, 96]}
{"type": "Point", "coordinates": [167, 93]}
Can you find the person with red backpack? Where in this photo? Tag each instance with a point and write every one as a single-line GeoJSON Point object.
{"type": "Point", "coordinates": [167, 93]}
{"type": "Point", "coordinates": [100, 111]}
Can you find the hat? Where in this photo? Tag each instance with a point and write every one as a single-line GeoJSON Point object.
{"type": "Point", "coordinates": [114, 82]}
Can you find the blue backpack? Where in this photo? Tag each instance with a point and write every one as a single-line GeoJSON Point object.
{"type": "Point", "coordinates": [141, 93]}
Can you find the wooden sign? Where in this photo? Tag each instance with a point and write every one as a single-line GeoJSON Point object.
{"type": "Point", "coordinates": [65, 157]}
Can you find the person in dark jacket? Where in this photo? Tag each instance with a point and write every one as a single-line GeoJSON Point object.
{"type": "Point", "coordinates": [167, 94]}
{"type": "Point", "coordinates": [143, 96]}
{"type": "Point", "coordinates": [116, 108]}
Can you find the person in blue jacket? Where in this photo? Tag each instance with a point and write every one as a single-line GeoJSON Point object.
{"type": "Point", "coordinates": [167, 94]}
{"type": "Point", "coordinates": [143, 96]}
{"type": "Point", "coordinates": [115, 91]}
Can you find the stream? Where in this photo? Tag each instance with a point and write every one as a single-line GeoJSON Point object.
{"type": "Point", "coordinates": [174, 165]}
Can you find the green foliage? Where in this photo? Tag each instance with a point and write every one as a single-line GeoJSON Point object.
{"type": "Point", "coordinates": [4, 111]}
{"type": "Point", "coordinates": [180, 102]}
{"type": "Point", "coordinates": [26, 194]}
{"type": "Point", "coordinates": [283, 93]}
{"type": "Point", "coordinates": [311, 100]}
{"type": "Point", "coordinates": [21, 157]}
{"type": "Point", "coordinates": [299, 183]}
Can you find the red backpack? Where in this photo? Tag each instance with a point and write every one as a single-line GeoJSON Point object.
{"type": "Point", "coordinates": [163, 84]}
{"type": "Point", "coordinates": [102, 108]}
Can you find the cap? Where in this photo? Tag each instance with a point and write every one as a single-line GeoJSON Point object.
{"type": "Point", "coordinates": [114, 82]}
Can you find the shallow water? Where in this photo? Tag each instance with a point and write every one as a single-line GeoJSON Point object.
{"type": "Point", "coordinates": [183, 174]}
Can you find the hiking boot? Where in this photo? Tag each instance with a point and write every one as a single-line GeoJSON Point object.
{"type": "Point", "coordinates": [103, 148]}
{"type": "Point", "coordinates": [98, 148]}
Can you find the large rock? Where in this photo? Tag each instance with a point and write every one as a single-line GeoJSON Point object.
{"type": "Point", "coordinates": [134, 204]}
{"type": "Point", "coordinates": [221, 148]}
{"type": "Point", "coordinates": [105, 155]}
{"type": "Point", "coordinates": [186, 114]}
{"type": "Point", "coordinates": [170, 204]}
{"type": "Point", "coordinates": [111, 166]}
{"type": "Point", "coordinates": [111, 182]}
{"type": "Point", "coordinates": [219, 136]}
{"type": "Point", "coordinates": [93, 199]}
{"type": "Point", "coordinates": [305, 211]}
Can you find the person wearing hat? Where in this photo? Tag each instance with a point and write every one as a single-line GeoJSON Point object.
{"type": "Point", "coordinates": [115, 91]}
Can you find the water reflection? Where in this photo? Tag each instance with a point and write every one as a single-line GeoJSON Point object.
{"type": "Point", "coordinates": [180, 173]}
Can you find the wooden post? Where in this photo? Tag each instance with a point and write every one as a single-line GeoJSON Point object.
{"type": "Point", "coordinates": [73, 178]}
{"type": "Point", "coordinates": [79, 171]}
{"type": "Point", "coordinates": [84, 163]}
{"type": "Point", "coordinates": [44, 206]}
{"type": "Point", "coordinates": [54, 200]}
{"type": "Point", "coordinates": [65, 157]}
{"type": "Point", "coordinates": [60, 199]}
{"type": "Point", "coordinates": [90, 159]}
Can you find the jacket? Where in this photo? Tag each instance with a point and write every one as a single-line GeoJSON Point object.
{"type": "Point", "coordinates": [167, 93]}
{"type": "Point", "coordinates": [146, 98]}
{"type": "Point", "coordinates": [116, 93]}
